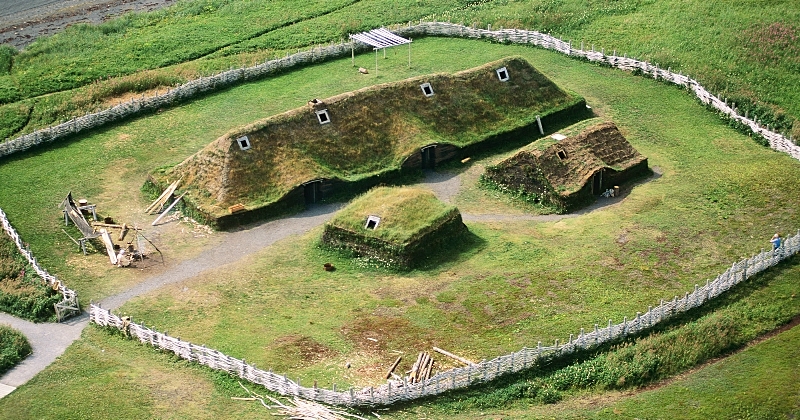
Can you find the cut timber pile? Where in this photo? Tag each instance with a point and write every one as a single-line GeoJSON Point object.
{"type": "Point", "coordinates": [421, 369]}
{"type": "Point", "coordinates": [163, 198]}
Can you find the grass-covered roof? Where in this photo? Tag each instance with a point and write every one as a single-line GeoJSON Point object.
{"type": "Point", "coordinates": [405, 213]}
{"type": "Point", "coordinates": [372, 130]}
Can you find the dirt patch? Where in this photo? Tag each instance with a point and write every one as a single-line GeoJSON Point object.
{"type": "Point", "coordinates": [303, 349]}
{"type": "Point", "coordinates": [21, 27]}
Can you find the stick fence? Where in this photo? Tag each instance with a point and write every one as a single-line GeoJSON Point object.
{"type": "Point", "coordinates": [69, 302]}
{"type": "Point", "coordinates": [315, 54]}
{"type": "Point", "coordinates": [458, 378]}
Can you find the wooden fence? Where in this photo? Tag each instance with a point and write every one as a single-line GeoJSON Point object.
{"type": "Point", "coordinates": [458, 378]}
{"type": "Point", "coordinates": [69, 302]}
{"type": "Point", "coordinates": [315, 54]}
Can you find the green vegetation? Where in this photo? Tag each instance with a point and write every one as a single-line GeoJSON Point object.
{"type": "Point", "coordinates": [202, 34]}
{"type": "Point", "coordinates": [754, 308]}
{"type": "Point", "coordinates": [405, 213]}
{"type": "Point", "coordinates": [410, 223]}
{"type": "Point", "coordinates": [746, 51]}
{"type": "Point", "coordinates": [13, 348]}
{"type": "Point", "coordinates": [508, 284]}
{"type": "Point", "coordinates": [754, 66]}
{"type": "Point", "coordinates": [22, 293]}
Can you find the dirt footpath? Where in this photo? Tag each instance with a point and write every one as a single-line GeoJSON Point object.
{"type": "Point", "coordinates": [22, 21]}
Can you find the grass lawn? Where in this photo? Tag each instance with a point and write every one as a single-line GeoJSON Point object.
{"type": "Point", "coordinates": [516, 283]}
{"type": "Point", "coordinates": [513, 283]}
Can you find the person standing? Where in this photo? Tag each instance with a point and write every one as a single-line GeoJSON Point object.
{"type": "Point", "coordinates": [776, 241]}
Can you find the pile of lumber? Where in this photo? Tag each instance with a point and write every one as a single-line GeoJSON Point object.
{"type": "Point", "coordinates": [422, 368]}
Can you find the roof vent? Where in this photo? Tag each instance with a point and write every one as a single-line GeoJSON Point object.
{"type": "Point", "coordinates": [323, 116]}
{"type": "Point", "coordinates": [502, 74]}
{"type": "Point", "coordinates": [372, 222]}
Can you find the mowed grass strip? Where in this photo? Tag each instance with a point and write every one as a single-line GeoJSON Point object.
{"type": "Point", "coordinates": [746, 52]}
{"type": "Point", "coordinates": [90, 67]}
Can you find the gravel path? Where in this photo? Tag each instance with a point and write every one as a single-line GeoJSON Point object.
{"type": "Point", "coordinates": [51, 340]}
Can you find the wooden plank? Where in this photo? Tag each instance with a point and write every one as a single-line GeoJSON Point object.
{"type": "Point", "coordinates": [394, 366]}
{"type": "Point", "coordinates": [163, 197]}
{"type": "Point", "coordinates": [106, 238]}
{"type": "Point", "coordinates": [167, 210]}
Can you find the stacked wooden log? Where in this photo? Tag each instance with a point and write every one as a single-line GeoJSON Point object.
{"type": "Point", "coordinates": [422, 368]}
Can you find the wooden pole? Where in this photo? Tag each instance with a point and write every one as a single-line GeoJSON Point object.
{"type": "Point", "coordinates": [167, 210]}
{"type": "Point", "coordinates": [453, 356]}
{"type": "Point", "coordinates": [394, 366]}
{"type": "Point", "coordinates": [409, 53]}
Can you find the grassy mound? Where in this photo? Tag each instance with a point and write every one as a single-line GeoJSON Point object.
{"type": "Point", "coordinates": [411, 221]}
{"type": "Point", "coordinates": [372, 131]}
{"type": "Point", "coordinates": [593, 156]}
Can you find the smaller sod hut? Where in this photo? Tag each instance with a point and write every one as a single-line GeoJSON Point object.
{"type": "Point", "coordinates": [396, 226]}
{"type": "Point", "coordinates": [569, 169]}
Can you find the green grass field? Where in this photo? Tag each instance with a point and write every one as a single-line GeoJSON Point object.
{"type": "Point", "coordinates": [720, 197]}
{"type": "Point", "coordinates": [745, 51]}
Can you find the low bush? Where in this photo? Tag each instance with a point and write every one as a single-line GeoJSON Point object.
{"type": "Point", "coordinates": [21, 293]}
{"type": "Point", "coordinates": [13, 348]}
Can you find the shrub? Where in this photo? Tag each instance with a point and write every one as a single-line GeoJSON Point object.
{"type": "Point", "coordinates": [13, 348]}
{"type": "Point", "coordinates": [21, 294]}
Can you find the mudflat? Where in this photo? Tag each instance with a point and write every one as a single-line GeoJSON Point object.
{"type": "Point", "coordinates": [22, 21]}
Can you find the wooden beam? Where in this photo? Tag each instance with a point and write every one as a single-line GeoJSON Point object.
{"type": "Point", "coordinates": [453, 356]}
{"type": "Point", "coordinates": [394, 366]}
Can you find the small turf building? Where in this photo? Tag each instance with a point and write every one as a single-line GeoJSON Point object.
{"type": "Point", "coordinates": [396, 226]}
{"type": "Point", "coordinates": [359, 139]}
{"type": "Point", "coordinates": [570, 168]}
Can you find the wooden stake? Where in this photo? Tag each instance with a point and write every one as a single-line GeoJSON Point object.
{"type": "Point", "coordinates": [453, 356]}
{"type": "Point", "coordinates": [394, 366]}
{"type": "Point", "coordinates": [429, 370]}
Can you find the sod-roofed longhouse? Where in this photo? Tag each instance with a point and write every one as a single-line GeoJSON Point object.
{"type": "Point", "coordinates": [397, 226]}
{"type": "Point", "coordinates": [367, 136]}
{"type": "Point", "coordinates": [590, 158]}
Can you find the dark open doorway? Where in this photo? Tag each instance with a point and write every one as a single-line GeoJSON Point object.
{"type": "Point", "coordinates": [313, 192]}
{"type": "Point", "coordinates": [597, 183]}
{"type": "Point", "coordinates": [429, 157]}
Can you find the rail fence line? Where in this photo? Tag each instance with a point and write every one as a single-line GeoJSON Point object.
{"type": "Point", "coordinates": [69, 302]}
{"type": "Point", "coordinates": [315, 54]}
{"type": "Point", "coordinates": [457, 378]}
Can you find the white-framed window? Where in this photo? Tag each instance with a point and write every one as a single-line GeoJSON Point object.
{"type": "Point", "coordinates": [502, 74]}
{"type": "Point", "coordinates": [427, 89]}
{"type": "Point", "coordinates": [244, 142]}
{"type": "Point", "coordinates": [372, 222]}
{"type": "Point", "coordinates": [323, 116]}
